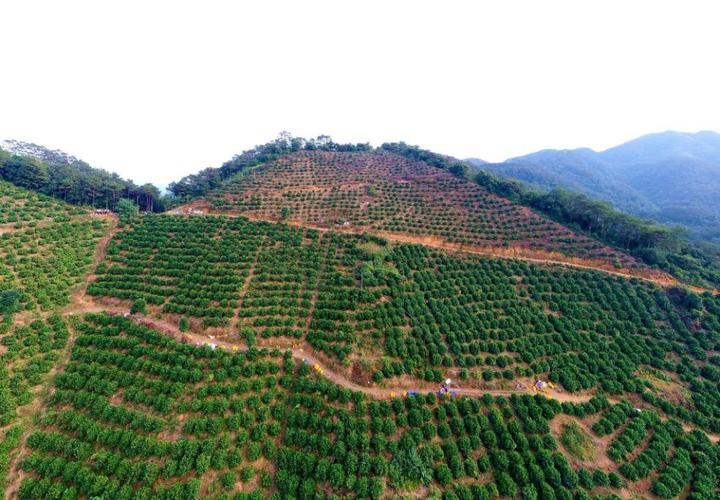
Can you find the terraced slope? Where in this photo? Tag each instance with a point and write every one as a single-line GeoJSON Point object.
{"type": "Point", "coordinates": [138, 415]}
{"type": "Point", "coordinates": [46, 247]}
{"type": "Point", "coordinates": [632, 369]}
{"type": "Point", "coordinates": [20, 208]}
{"type": "Point", "coordinates": [406, 316]}
{"type": "Point", "coordinates": [387, 194]}
{"type": "Point", "coordinates": [225, 275]}
{"type": "Point", "coordinates": [46, 251]}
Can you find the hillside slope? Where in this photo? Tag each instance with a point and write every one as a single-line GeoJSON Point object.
{"type": "Point", "coordinates": [383, 318]}
{"type": "Point", "coordinates": [46, 250]}
{"type": "Point", "coordinates": [387, 194]}
{"type": "Point", "coordinates": [135, 410]}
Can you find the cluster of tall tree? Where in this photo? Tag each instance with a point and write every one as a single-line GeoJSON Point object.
{"type": "Point", "coordinates": [78, 183]}
{"type": "Point", "coordinates": [211, 178]}
{"type": "Point", "coordinates": [452, 165]}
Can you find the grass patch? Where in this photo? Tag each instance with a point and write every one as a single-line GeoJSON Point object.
{"type": "Point", "coordinates": [665, 386]}
{"type": "Point", "coordinates": [577, 442]}
{"type": "Point", "coordinates": [372, 248]}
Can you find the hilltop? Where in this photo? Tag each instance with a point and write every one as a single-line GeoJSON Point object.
{"type": "Point", "coordinates": [53, 157]}
{"type": "Point", "coordinates": [387, 194]}
{"type": "Point", "coordinates": [576, 228]}
{"type": "Point", "coordinates": [598, 235]}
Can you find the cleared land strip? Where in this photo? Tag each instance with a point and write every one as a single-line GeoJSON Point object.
{"type": "Point", "coordinates": [316, 291]}
{"type": "Point", "coordinates": [26, 414]}
{"type": "Point", "coordinates": [246, 284]}
{"type": "Point", "coordinates": [302, 354]}
{"type": "Point", "coordinates": [306, 355]}
{"type": "Point", "coordinates": [514, 253]}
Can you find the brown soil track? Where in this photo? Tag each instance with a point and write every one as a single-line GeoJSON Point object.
{"type": "Point", "coordinates": [304, 354]}
{"type": "Point", "coordinates": [517, 253]}
{"type": "Point", "coordinates": [246, 284]}
{"type": "Point", "coordinates": [31, 410]}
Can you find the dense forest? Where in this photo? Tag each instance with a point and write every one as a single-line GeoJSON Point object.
{"type": "Point", "coordinates": [211, 178]}
{"type": "Point", "coordinates": [656, 244]}
{"type": "Point", "coordinates": [78, 183]}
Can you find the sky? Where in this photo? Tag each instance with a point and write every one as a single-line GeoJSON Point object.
{"type": "Point", "coordinates": [156, 90]}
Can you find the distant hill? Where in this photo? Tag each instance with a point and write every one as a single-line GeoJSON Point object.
{"type": "Point", "coordinates": [652, 148]}
{"type": "Point", "coordinates": [63, 176]}
{"type": "Point", "coordinates": [476, 162]}
{"type": "Point", "coordinates": [672, 177]}
{"type": "Point", "coordinates": [53, 157]}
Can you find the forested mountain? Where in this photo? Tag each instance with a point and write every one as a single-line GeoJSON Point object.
{"type": "Point", "coordinates": [654, 148]}
{"type": "Point", "coordinates": [53, 157]}
{"type": "Point", "coordinates": [672, 177]}
{"type": "Point", "coordinates": [63, 176]}
{"type": "Point", "coordinates": [476, 162]}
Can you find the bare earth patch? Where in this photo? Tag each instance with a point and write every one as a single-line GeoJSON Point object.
{"type": "Point", "coordinates": [666, 385]}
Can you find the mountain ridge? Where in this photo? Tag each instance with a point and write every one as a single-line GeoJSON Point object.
{"type": "Point", "coordinates": [53, 157]}
{"type": "Point", "coordinates": [673, 177]}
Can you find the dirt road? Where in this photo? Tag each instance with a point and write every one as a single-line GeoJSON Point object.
{"type": "Point", "coordinates": [87, 305]}
{"type": "Point", "coordinates": [29, 412]}
{"type": "Point", "coordinates": [516, 253]}
{"type": "Point", "coordinates": [306, 355]}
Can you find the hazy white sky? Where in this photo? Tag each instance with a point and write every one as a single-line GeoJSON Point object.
{"type": "Point", "coordinates": [155, 90]}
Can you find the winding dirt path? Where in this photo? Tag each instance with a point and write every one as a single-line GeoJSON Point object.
{"type": "Point", "coordinates": [304, 354]}
{"type": "Point", "coordinates": [27, 413]}
{"type": "Point", "coordinates": [659, 278]}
